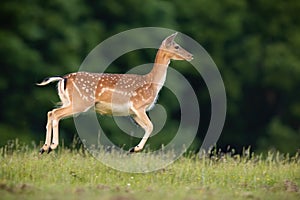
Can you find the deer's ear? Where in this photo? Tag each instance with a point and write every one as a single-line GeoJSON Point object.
{"type": "Point", "coordinates": [169, 40]}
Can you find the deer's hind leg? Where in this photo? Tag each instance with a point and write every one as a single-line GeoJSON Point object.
{"type": "Point", "coordinates": [49, 125]}
{"type": "Point", "coordinates": [54, 117]}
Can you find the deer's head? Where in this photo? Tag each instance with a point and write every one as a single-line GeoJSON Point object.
{"type": "Point", "coordinates": [174, 50]}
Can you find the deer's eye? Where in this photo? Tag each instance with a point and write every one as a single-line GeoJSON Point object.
{"type": "Point", "coordinates": [176, 47]}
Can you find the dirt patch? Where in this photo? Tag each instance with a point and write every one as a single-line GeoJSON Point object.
{"type": "Point", "coordinates": [103, 187]}
{"type": "Point", "coordinates": [16, 188]}
{"type": "Point", "coordinates": [120, 197]}
{"type": "Point", "coordinates": [291, 186]}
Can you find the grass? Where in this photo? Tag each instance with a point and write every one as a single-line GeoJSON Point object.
{"type": "Point", "coordinates": [74, 174]}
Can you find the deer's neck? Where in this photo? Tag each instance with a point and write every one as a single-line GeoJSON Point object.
{"type": "Point", "coordinates": [159, 72]}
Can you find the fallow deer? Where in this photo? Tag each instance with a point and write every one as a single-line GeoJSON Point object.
{"type": "Point", "coordinates": [113, 94]}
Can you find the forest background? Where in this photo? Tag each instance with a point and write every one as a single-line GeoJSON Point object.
{"type": "Point", "coordinates": [255, 45]}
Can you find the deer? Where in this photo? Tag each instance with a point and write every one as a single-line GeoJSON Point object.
{"type": "Point", "coordinates": [112, 94]}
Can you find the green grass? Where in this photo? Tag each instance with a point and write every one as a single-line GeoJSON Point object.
{"type": "Point", "coordinates": [73, 174]}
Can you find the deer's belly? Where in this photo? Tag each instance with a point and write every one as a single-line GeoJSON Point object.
{"type": "Point", "coordinates": [114, 109]}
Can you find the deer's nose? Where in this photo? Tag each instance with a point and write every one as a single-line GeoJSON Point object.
{"type": "Point", "coordinates": [190, 57]}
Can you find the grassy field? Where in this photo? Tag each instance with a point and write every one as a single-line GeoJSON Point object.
{"type": "Point", "coordinates": [73, 174]}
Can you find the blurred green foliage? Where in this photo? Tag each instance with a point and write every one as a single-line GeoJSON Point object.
{"type": "Point", "coordinates": [255, 45]}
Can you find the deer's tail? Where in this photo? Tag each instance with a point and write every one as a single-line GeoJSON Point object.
{"type": "Point", "coordinates": [49, 80]}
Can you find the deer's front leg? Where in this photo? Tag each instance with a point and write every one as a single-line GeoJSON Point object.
{"type": "Point", "coordinates": [142, 119]}
{"type": "Point", "coordinates": [46, 146]}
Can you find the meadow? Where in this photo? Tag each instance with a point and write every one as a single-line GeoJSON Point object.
{"type": "Point", "coordinates": [72, 173]}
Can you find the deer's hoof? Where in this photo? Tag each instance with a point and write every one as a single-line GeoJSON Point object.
{"type": "Point", "coordinates": [49, 150]}
{"type": "Point", "coordinates": [135, 149]}
{"type": "Point", "coordinates": [44, 149]}
{"type": "Point", "coordinates": [131, 150]}
{"type": "Point", "coordinates": [41, 151]}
